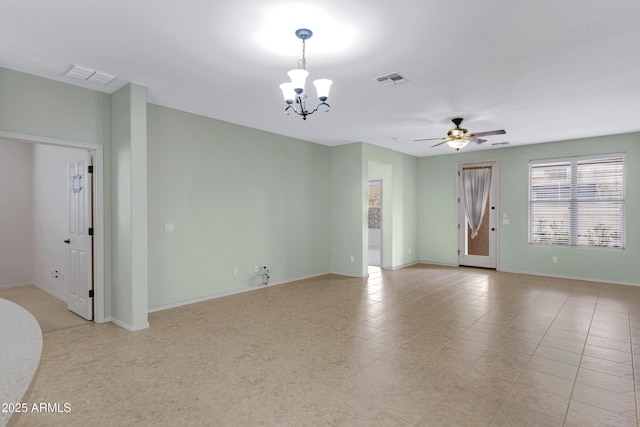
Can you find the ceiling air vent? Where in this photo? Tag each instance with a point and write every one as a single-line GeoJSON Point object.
{"type": "Point", "coordinates": [390, 79]}
{"type": "Point", "coordinates": [79, 72]}
{"type": "Point", "coordinates": [500, 143]}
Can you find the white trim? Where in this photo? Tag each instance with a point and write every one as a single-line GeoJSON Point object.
{"type": "Point", "coordinates": [226, 294]}
{"type": "Point", "coordinates": [583, 279]}
{"type": "Point", "coordinates": [398, 267]}
{"type": "Point", "coordinates": [129, 327]}
{"type": "Point", "coordinates": [562, 160]}
{"type": "Point", "coordinates": [97, 152]}
{"type": "Point", "coordinates": [15, 285]}
{"type": "Point", "coordinates": [440, 264]}
{"type": "Point", "coordinates": [50, 292]}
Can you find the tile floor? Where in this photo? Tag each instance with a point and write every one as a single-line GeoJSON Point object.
{"type": "Point", "coordinates": [420, 346]}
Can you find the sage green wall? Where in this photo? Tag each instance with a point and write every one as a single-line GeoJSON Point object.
{"type": "Point", "coordinates": [31, 105]}
{"type": "Point", "coordinates": [348, 210]}
{"type": "Point", "coordinates": [403, 195]}
{"type": "Point", "coordinates": [438, 220]}
{"type": "Point", "coordinates": [129, 204]}
{"type": "Point", "coordinates": [237, 197]}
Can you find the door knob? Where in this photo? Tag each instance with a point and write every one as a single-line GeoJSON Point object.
{"type": "Point", "coordinates": [493, 229]}
{"type": "Point", "coordinates": [68, 241]}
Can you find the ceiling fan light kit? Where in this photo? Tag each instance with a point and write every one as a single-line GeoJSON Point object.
{"type": "Point", "coordinates": [294, 92]}
{"type": "Point", "coordinates": [458, 138]}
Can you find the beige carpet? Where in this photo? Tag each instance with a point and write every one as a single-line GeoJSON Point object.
{"type": "Point", "coordinates": [51, 313]}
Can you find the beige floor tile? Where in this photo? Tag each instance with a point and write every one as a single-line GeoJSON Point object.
{"type": "Point", "coordinates": [539, 401]}
{"type": "Point", "coordinates": [546, 383]}
{"type": "Point", "coordinates": [621, 403]}
{"type": "Point", "coordinates": [583, 415]}
{"type": "Point", "coordinates": [566, 335]}
{"type": "Point", "coordinates": [421, 346]}
{"type": "Point", "coordinates": [608, 354]}
{"type": "Point", "coordinates": [605, 381]}
{"type": "Point", "coordinates": [558, 355]}
{"type": "Point", "coordinates": [623, 370]}
{"type": "Point", "coordinates": [562, 344]}
{"type": "Point", "coordinates": [552, 367]}
{"type": "Point", "coordinates": [515, 415]}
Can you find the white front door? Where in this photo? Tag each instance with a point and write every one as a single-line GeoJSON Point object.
{"type": "Point", "coordinates": [79, 239]}
{"type": "Point", "coordinates": [479, 250]}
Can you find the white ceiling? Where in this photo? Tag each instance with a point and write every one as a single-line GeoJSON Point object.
{"type": "Point", "coordinates": [543, 70]}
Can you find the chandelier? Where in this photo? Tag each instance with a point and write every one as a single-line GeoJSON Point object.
{"type": "Point", "coordinates": [293, 92]}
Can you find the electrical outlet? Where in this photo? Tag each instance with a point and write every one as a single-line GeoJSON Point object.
{"type": "Point", "coordinates": [554, 259]}
{"type": "Point", "coordinates": [249, 270]}
{"type": "Point", "coordinates": [353, 259]}
{"type": "Point", "coordinates": [256, 268]}
{"type": "Point", "coordinates": [235, 271]}
{"type": "Point", "coordinates": [410, 251]}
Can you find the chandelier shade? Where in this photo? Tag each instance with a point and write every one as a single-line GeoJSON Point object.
{"type": "Point", "coordinates": [298, 78]}
{"type": "Point", "coordinates": [323, 86]}
{"type": "Point", "coordinates": [294, 93]}
{"type": "Point", "coordinates": [457, 144]}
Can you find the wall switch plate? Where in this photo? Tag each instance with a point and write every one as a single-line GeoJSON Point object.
{"type": "Point", "coordinates": [353, 259]}
{"type": "Point", "coordinates": [554, 259]}
{"type": "Point", "coordinates": [235, 271]}
{"type": "Point", "coordinates": [505, 221]}
{"type": "Point", "coordinates": [168, 227]}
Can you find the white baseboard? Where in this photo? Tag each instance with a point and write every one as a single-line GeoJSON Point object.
{"type": "Point", "coordinates": [50, 292]}
{"type": "Point", "coordinates": [16, 285]}
{"type": "Point", "coordinates": [442, 264]}
{"type": "Point", "coordinates": [129, 327]}
{"type": "Point", "coordinates": [398, 267]}
{"type": "Point", "coordinates": [584, 279]}
{"type": "Point", "coordinates": [226, 294]}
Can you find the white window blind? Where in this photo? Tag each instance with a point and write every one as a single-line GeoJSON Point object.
{"type": "Point", "coordinates": [577, 201]}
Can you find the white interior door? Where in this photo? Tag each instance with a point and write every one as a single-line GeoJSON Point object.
{"type": "Point", "coordinates": [80, 238]}
{"type": "Point", "coordinates": [480, 250]}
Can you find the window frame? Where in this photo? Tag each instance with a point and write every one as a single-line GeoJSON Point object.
{"type": "Point", "coordinates": [574, 201]}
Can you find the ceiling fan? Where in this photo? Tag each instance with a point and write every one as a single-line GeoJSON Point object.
{"type": "Point", "coordinates": [459, 137]}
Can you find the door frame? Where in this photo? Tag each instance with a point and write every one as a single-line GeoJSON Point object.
{"type": "Point", "coordinates": [495, 199]}
{"type": "Point", "coordinates": [97, 153]}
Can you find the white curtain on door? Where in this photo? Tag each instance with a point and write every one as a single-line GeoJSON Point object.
{"type": "Point", "coordinates": [476, 182]}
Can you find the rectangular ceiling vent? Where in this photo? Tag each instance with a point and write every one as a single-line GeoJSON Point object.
{"type": "Point", "coordinates": [390, 79]}
{"type": "Point", "coordinates": [79, 72]}
{"type": "Point", "coordinates": [500, 143]}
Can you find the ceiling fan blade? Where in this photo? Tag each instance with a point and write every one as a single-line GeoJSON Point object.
{"type": "Point", "coordinates": [477, 140]}
{"type": "Point", "coordinates": [428, 139]}
{"type": "Point", "coordinates": [440, 143]}
{"type": "Point", "coordinates": [489, 133]}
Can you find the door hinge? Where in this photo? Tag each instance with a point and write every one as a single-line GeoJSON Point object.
{"type": "Point", "coordinates": [458, 252]}
{"type": "Point", "coordinates": [90, 168]}
{"type": "Point", "coordinates": [91, 293]}
{"type": "Point", "coordinates": [458, 199]}
{"type": "Point", "coordinates": [458, 226]}
{"type": "Point", "coordinates": [91, 231]}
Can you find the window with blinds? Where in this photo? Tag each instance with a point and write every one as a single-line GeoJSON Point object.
{"type": "Point", "coordinates": [577, 201]}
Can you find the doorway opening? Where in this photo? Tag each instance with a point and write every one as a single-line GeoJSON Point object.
{"type": "Point", "coordinates": [90, 182]}
{"type": "Point", "coordinates": [477, 214]}
{"type": "Point", "coordinates": [375, 223]}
